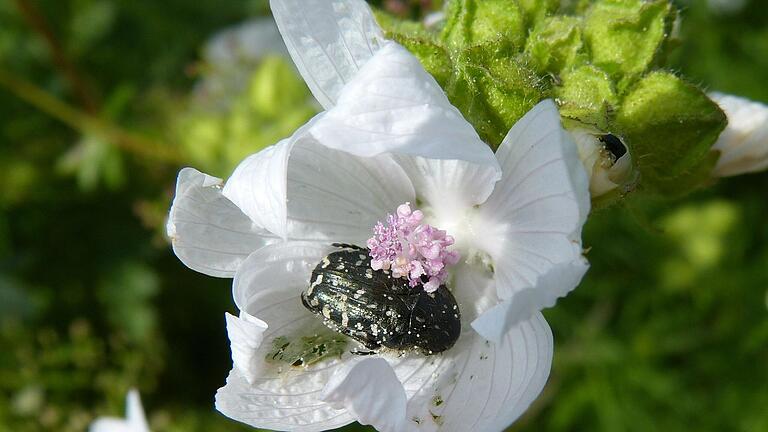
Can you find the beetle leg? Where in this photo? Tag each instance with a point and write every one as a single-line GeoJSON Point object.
{"type": "Point", "coordinates": [348, 246]}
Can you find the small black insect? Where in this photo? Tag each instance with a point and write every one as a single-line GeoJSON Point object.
{"type": "Point", "coordinates": [614, 145]}
{"type": "Point", "coordinates": [378, 310]}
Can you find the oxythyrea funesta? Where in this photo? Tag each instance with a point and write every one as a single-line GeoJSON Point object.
{"type": "Point", "coordinates": [378, 310]}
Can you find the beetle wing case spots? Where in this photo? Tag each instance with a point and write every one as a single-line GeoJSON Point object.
{"type": "Point", "coordinates": [378, 310]}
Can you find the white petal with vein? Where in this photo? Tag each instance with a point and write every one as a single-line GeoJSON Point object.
{"type": "Point", "coordinates": [329, 40]}
{"type": "Point", "coordinates": [370, 391]}
{"type": "Point", "coordinates": [268, 287]}
{"type": "Point", "coordinates": [535, 214]}
{"type": "Point", "coordinates": [337, 196]}
{"type": "Point", "coordinates": [394, 106]}
{"type": "Point", "coordinates": [246, 334]}
{"type": "Point", "coordinates": [484, 387]}
{"type": "Point", "coordinates": [208, 232]}
{"type": "Point", "coordinates": [259, 188]}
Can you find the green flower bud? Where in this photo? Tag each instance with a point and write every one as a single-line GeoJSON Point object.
{"type": "Point", "coordinates": [494, 88]}
{"type": "Point", "coordinates": [475, 22]}
{"type": "Point", "coordinates": [625, 37]}
{"type": "Point", "coordinates": [671, 125]}
{"type": "Point", "coordinates": [537, 10]}
{"type": "Point", "coordinates": [496, 59]}
{"type": "Point", "coordinates": [555, 43]}
{"type": "Point", "coordinates": [587, 94]}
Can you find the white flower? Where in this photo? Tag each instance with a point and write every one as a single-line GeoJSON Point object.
{"type": "Point", "coordinates": [388, 136]}
{"type": "Point", "coordinates": [743, 145]}
{"type": "Point", "coordinates": [135, 421]}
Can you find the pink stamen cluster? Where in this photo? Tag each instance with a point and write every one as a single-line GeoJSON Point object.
{"type": "Point", "coordinates": [412, 250]}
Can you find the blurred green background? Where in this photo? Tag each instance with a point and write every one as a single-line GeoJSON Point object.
{"type": "Point", "coordinates": [101, 103]}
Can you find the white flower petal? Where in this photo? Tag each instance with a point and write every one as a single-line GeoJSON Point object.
{"type": "Point", "coordinates": [208, 232]}
{"type": "Point", "coordinates": [448, 188]}
{"type": "Point", "coordinates": [483, 386]}
{"type": "Point", "coordinates": [245, 336]}
{"type": "Point", "coordinates": [135, 420]}
{"type": "Point", "coordinates": [258, 186]}
{"type": "Point", "coordinates": [394, 106]}
{"type": "Point", "coordinates": [534, 217]}
{"type": "Point", "coordinates": [493, 323]}
{"type": "Point", "coordinates": [339, 197]}
{"type": "Point", "coordinates": [302, 190]}
{"type": "Point", "coordinates": [370, 391]}
{"type": "Point", "coordinates": [267, 405]}
{"type": "Point", "coordinates": [282, 268]}
{"type": "Point", "coordinates": [109, 424]}
{"type": "Point", "coordinates": [135, 412]}
{"type": "Point", "coordinates": [264, 395]}
{"type": "Point", "coordinates": [743, 145]}
{"type": "Point", "coordinates": [328, 40]}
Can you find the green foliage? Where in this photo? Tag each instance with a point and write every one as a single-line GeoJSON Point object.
{"type": "Point", "coordinates": [496, 60]}
{"type": "Point", "coordinates": [477, 59]}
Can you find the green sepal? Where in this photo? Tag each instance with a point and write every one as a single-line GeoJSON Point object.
{"type": "Point", "coordinates": [392, 25]}
{"type": "Point", "coordinates": [475, 22]}
{"type": "Point", "coordinates": [669, 126]}
{"type": "Point", "coordinates": [587, 94]}
{"type": "Point", "coordinates": [494, 88]}
{"type": "Point", "coordinates": [554, 43]}
{"type": "Point", "coordinates": [625, 37]}
{"type": "Point", "coordinates": [433, 57]}
{"type": "Point", "coordinates": [537, 10]}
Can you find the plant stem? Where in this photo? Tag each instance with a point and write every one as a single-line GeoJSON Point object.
{"type": "Point", "coordinates": [39, 24]}
{"type": "Point", "coordinates": [86, 123]}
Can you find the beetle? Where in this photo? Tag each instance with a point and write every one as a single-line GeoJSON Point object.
{"type": "Point", "coordinates": [377, 310]}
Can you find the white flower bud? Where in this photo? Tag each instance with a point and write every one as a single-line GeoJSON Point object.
{"type": "Point", "coordinates": [606, 159]}
{"type": "Point", "coordinates": [743, 145]}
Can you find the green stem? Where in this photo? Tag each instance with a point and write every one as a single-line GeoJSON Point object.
{"type": "Point", "coordinates": [86, 123]}
{"type": "Point", "coordinates": [66, 67]}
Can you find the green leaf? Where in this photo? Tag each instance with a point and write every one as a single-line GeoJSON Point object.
{"type": "Point", "coordinates": [555, 43]}
{"type": "Point", "coordinates": [669, 126]}
{"type": "Point", "coordinates": [624, 37]}
{"type": "Point", "coordinates": [474, 22]}
{"type": "Point", "coordinates": [587, 94]}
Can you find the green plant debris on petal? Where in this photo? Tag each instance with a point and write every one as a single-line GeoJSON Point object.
{"type": "Point", "coordinates": [306, 350]}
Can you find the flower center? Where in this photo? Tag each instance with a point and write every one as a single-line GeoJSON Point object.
{"type": "Point", "coordinates": [412, 249]}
